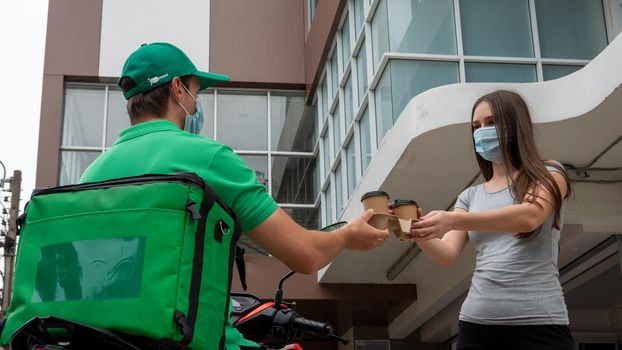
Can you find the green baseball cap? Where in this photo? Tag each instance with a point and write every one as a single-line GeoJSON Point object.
{"type": "Point", "coordinates": [156, 64]}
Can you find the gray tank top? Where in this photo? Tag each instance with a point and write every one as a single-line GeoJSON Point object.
{"type": "Point", "coordinates": [516, 281]}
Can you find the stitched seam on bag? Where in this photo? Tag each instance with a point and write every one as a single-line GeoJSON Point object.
{"type": "Point", "coordinates": [104, 212]}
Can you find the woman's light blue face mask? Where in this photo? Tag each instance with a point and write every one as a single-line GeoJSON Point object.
{"type": "Point", "coordinates": [194, 122]}
{"type": "Point", "coordinates": [487, 144]}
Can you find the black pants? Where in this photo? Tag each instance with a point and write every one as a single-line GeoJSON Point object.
{"type": "Point", "coordinates": [473, 336]}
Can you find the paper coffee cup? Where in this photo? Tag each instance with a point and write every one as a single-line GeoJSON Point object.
{"type": "Point", "coordinates": [405, 209]}
{"type": "Point", "coordinates": [376, 200]}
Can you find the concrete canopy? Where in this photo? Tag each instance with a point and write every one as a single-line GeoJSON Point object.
{"type": "Point", "coordinates": [428, 156]}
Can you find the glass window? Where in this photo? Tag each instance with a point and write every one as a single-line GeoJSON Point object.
{"type": "Point", "coordinates": [361, 63]}
{"type": "Point", "coordinates": [317, 180]}
{"type": "Point", "coordinates": [243, 120]}
{"type": "Point", "coordinates": [333, 76]}
{"type": "Point", "coordinates": [319, 123]}
{"type": "Point", "coordinates": [359, 9]}
{"type": "Point", "coordinates": [326, 154]}
{"type": "Point", "coordinates": [345, 42]}
{"type": "Point", "coordinates": [83, 121]}
{"type": "Point", "coordinates": [403, 80]}
{"type": "Point", "coordinates": [325, 101]}
{"type": "Point", "coordinates": [379, 33]}
{"type": "Point", "coordinates": [305, 217]}
{"type": "Point", "coordinates": [410, 78]}
{"type": "Point", "coordinates": [351, 166]}
{"type": "Point", "coordinates": [260, 165]}
{"type": "Point", "coordinates": [312, 8]}
{"type": "Point", "coordinates": [338, 190]}
{"type": "Point", "coordinates": [73, 164]}
{"type": "Point", "coordinates": [118, 119]}
{"type": "Point", "coordinates": [500, 72]}
{"type": "Point", "coordinates": [348, 102]}
{"type": "Point", "coordinates": [423, 26]}
{"type": "Point", "coordinates": [496, 28]}
{"type": "Point", "coordinates": [207, 104]}
{"type": "Point", "coordinates": [337, 130]}
{"type": "Point", "coordinates": [365, 141]}
{"type": "Point", "coordinates": [293, 180]}
{"type": "Point", "coordinates": [571, 28]}
{"type": "Point", "coordinates": [557, 71]}
{"type": "Point", "coordinates": [329, 206]}
{"type": "Point", "coordinates": [384, 107]}
{"type": "Point", "coordinates": [292, 125]}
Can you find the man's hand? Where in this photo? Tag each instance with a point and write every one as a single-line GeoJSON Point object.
{"type": "Point", "coordinates": [360, 235]}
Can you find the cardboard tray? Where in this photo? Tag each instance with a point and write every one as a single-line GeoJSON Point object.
{"type": "Point", "coordinates": [399, 227]}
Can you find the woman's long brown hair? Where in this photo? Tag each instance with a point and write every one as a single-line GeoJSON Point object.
{"type": "Point", "coordinates": [511, 118]}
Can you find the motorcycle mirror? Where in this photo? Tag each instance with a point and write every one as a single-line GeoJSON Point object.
{"type": "Point", "coordinates": [278, 297]}
{"type": "Point", "coordinates": [333, 227]}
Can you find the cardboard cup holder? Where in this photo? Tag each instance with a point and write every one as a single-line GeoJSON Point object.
{"type": "Point", "coordinates": [399, 223]}
{"type": "Point", "coordinates": [399, 227]}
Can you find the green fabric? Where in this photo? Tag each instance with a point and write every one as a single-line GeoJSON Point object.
{"type": "Point", "coordinates": [153, 65]}
{"type": "Point", "coordinates": [107, 257]}
{"type": "Point", "coordinates": [161, 147]}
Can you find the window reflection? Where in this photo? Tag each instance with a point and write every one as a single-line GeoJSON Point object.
{"type": "Point", "coordinates": [73, 164]}
{"type": "Point", "coordinates": [496, 28]}
{"type": "Point", "coordinates": [497, 72]}
{"type": "Point", "coordinates": [572, 29]}
{"type": "Point", "coordinates": [118, 119]}
{"type": "Point", "coordinates": [293, 180]}
{"type": "Point", "coordinates": [292, 123]}
{"type": "Point", "coordinates": [83, 119]}
{"type": "Point", "coordinates": [243, 120]}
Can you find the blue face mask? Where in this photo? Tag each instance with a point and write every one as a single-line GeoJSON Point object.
{"type": "Point", "coordinates": [487, 144]}
{"type": "Point", "coordinates": [194, 122]}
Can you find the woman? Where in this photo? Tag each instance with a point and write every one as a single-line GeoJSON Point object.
{"type": "Point", "coordinates": [514, 221]}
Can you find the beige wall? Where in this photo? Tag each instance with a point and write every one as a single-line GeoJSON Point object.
{"type": "Point", "coordinates": [72, 49]}
{"type": "Point", "coordinates": [72, 43]}
{"type": "Point", "coordinates": [321, 34]}
{"type": "Point", "coordinates": [258, 42]}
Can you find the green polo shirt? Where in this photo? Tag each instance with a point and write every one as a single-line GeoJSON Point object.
{"type": "Point", "coordinates": [160, 147]}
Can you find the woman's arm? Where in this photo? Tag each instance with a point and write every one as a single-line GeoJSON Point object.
{"type": "Point", "coordinates": [516, 218]}
{"type": "Point", "coordinates": [445, 251]}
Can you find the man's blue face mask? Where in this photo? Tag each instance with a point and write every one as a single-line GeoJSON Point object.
{"type": "Point", "coordinates": [487, 144]}
{"type": "Point", "coordinates": [194, 122]}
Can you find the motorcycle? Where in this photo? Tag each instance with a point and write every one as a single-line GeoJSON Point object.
{"type": "Point", "coordinates": [275, 324]}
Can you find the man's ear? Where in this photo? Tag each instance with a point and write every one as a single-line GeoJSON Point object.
{"type": "Point", "coordinates": [177, 90]}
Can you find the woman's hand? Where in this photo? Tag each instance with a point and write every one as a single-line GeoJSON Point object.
{"type": "Point", "coordinates": [434, 224]}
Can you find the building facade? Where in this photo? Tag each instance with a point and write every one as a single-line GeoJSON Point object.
{"type": "Point", "coordinates": [330, 99]}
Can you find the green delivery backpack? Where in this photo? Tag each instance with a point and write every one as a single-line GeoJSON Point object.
{"type": "Point", "coordinates": [148, 256]}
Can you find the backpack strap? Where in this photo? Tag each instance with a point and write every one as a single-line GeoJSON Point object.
{"type": "Point", "coordinates": [241, 265]}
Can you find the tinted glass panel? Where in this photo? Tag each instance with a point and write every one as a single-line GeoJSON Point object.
{"type": "Point", "coordinates": [73, 164]}
{"type": "Point", "coordinates": [422, 26]}
{"type": "Point", "coordinates": [554, 71]}
{"type": "Point", "coordinates": [83, 118]}
{"type": "Point", "coordinates": [293, 180]}
{"type": "Point", "coordinates": [118, 119]}
{"type": "Point", "coordinates": [500, 72]}
{"type": "Point", "coordinates": [243, 120]}
{"type": "Point", "coordinates": [571, 28]}
{"type": "Point", "coordinates": [496, 28]}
